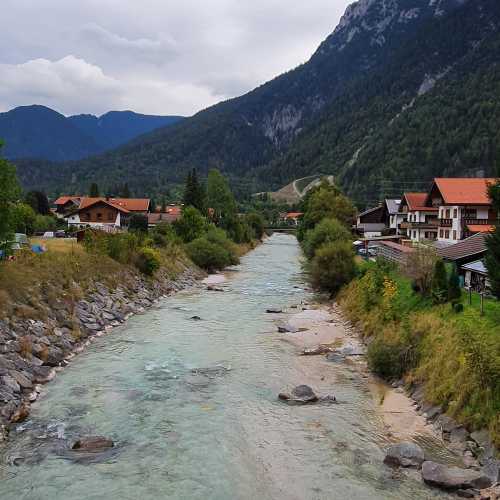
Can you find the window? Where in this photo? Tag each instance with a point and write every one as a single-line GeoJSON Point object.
{"type": "Point", "coordinates": [454, 235]}
{"type": "Point", "coordinates": [455, 213]}
{"type": "Point", "coordinates": [414, 235]}
{"type": "Point", "coordinates": [447, 235]}
{"type": "Point", "coordinates": [99, 216]}
{"type": "Point", "coordinates": [447, 213]}
{"type": "Point", "coordinates": [441, 233]}
{"type": "Point", "coordinates": [111, 216]}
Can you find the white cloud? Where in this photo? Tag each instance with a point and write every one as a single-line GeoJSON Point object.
{"type": "Point", "coordinates": [154, 56]}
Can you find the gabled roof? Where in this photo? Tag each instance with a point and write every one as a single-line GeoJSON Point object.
{"type": "Point", "coordinates": [371, 210]}
{"type": "Point", "coordinates": [294, 215]}
{"type": "Point", "coordinates": [475, 245]}
{"type": "Point", "coordinates": [416, 202]}
{"type": "Point", "coordinates": [462, 191]}
{"type": "Point", "coordinates": [90, 202]}
{"type": "Point", "coordinates": [126, 204]}
{"type": "Point", "coordinates": [392, 205]}
{"type": "Point", "coordinates": [477, 267]}
{"type": "Point", "coordinates": [62, 200]}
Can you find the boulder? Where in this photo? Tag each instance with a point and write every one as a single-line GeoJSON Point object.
{"type": "Point", "coordinates": [287, 328]}
{"type": "Point", "coordinates": [492, 470]}
{"type": "Point", "coordinates": [453, 478]}
{"type": "Point", "coordinates": [196, 318]}
{"type": "Point", "coordinates": [92, 444]}
{"type": "Point", "coordinates": [404, 455]}
{"type": "Point", "coordinates": [302, 394]}
{"type": "Point", "coordinates": [316, 351]}
{"type": "Point", "coordinates": [273, 311]}
{"type": "Point", "coordinates": [20, 414]}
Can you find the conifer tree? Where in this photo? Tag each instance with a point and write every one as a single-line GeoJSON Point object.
{"type": "Point", "coordinates": [454, 291]}
{"type": "Point", "coordinates": [94, 190]}
{"type": "Point", "coordinates": [194, 192]}
{"type": "Point", "coordinates": [492, 260]}
{"type": "Point", "coordinates": [439, 288]}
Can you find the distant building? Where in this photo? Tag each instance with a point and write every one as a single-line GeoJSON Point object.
{"type": "Point", "coordinates": [381, 219]}
{"type": "Point", "coordinates": [107, 212]}
{"type": "Point", "coordinates": [66, 204]}
{"type": "Point", "coordinates": [464, 207]}
{"type": "Point", "coordinates": [158, 218]}
{"type": "Point", "coordinates": [418, 221]}
{"type": "Point", "coordinates": [291, 218]}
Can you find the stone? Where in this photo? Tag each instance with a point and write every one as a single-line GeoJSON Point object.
{"type": "Point", "coordinates": [302, 394]}
{"type": "Point", "coordinates": [22, 379]}
{"type": "Point", "coordinates": [10, 383]}
{"type": "Point", "coordinates": [20, 414]}
{"type": "Point", "coordinates": [453, 478]}
{"type": "Point", "coordinates": [195, 318]}
{"type": "Point", "coordinates": [316, 351]}
{"type": "Point", "coordinates": [404, 455]}
{"type": "Point", "coordinates": [466, 494]}
{"type": "Point", "coordinates": [287, 328]}
{"type": "Point", "coordinates": [335, 357]}
{"type": "Point", "coordinates": [352, 350]}
{"type": "Point", "coordinates": [273, 311]}
{"type": "Point", "coordinates": [92, 444]}
{"type": "Point", "coordinates": [492, 470]}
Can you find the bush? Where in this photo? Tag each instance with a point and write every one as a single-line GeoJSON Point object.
{"type": "Point", "coordinates": [327, 231]}
{"type": "Point", "coordinates": [256, 223]}
{"type": "Point", "coordinates": [385, 355]}
{"type": "Point", "coordinates": [454, 291]}
{"type": "Point", "coordinates": [333, 266]}
{"type": "Point", "coordinates": [208, 255]}
{"type": "Point", "coordinates": [458, 307]}
{"type": "Point", "coordinates": [138, 223]}
{"type": "Point", "coordinates": [164, 234]}
{"type": "Point", "coordinates": [190, 226]}
{"type": "Point", "coordinates": [148, 261]}
{"type": "Point", "coordinates": [219, 237]}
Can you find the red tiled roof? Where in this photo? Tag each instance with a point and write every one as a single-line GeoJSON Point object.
{"type": "Point", "coordinates": [416, 202]}
{"type": "Point", "coordinates": [461, 191]}
{"type": "Point", "coordinates": [125, 204]}
{"type": "Point", "coordinates": [294, 215]}
{"type": "Point", "coordinates": [62, 200]}
{"type": "Point", "coordinates": [156, 218]}
{"type": "Point", "coordinates": [397, 246]}
{"type": "Point", "coordinates": [480, 228]}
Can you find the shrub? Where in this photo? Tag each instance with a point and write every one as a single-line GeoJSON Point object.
{"type": "Point", "coordinates": [208, 255]}
{"type": "Point", "coordinates": [256, 223]}
{"type": "Point", "coordinates": [164, 234]}
{"type": "Point", "coordinates": [148, 261]}
{"type": "Point", "coordinates": [219, 237]}
{"type": "Point", "coordinates": [385, 355]}
{"type": "Point", "coordinates": [138, 223]}
{"type": "Point", "coordinates": [333, 266]}
{"type": "Point", "coordinates": [327, 231]}
{"type": "Point", "coordinates": [190, 226]}
{"type": "Point", "coordinates": [458, 307]}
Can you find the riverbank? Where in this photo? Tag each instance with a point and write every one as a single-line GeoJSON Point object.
{"type": "Point", "coordinates": [319, 330]}
{"type": "Point", "coordinates": [41, 332]}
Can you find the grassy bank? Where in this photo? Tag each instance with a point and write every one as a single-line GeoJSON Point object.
{"type": "Point", "coordinates": [455, 355]}
{"type": "Point", "coordinates": [68, 270]}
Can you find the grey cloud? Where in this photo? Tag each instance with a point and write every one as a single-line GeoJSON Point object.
{"type": "Point", "coordinates": [152, 56]}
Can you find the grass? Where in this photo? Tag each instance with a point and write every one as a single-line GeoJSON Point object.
{"type": "Point", "coordinates": [456, 356]}
{"type": "Point", "coordinates": [62, 245]}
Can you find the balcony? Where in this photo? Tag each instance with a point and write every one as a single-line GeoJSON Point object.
{"type": "Point", "coordinates": [430, 224]}
{"type": "Point", "coordinates": [479, 222]}
{"type": "Point", "coordinates": [445, 222]}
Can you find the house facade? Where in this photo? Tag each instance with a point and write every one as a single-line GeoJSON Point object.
{"type": "Point", "coordinates": [66, 204]}
{"type": "Point", "coordinates": [383, 218]}
{"type": "Point", "coordinates": [107, 212]}
{"type": "Point", "coordinates": [419, 222]}
{"type": "Point", "coordinates": [464, 207]}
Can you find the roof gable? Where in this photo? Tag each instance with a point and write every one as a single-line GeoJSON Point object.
{"type": "Point", "coordinates": [125, 204]}
{"type": "Point", "coordinates": [464, 191]}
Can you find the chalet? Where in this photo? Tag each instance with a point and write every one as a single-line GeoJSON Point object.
{"type": "Point", "coordinates": [66, 204]}
{"type": "Point", "coordinates": [383, 218]}
{"type": "Point", "coordinates": [291, 218]}
{"type": "Point", "coordinates": [163, 217]}
{"type": "Point", "coordinates": [419, 221]}
{"type": "Point", "coordinates": [107, 212]}
{"type": "Point", "coordinates": [464, 207]}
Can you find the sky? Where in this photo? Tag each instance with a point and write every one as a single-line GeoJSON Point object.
{"type": "Point", "coordinates": [165, 57]}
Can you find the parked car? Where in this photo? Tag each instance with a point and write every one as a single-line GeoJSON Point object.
{"type": "Point", "coordinates": [60, 234]}
{"type": "Point", "coordinates": [48, 234]}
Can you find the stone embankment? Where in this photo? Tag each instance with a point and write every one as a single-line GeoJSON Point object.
{"type": "Point", "coordinates": [33, 350]}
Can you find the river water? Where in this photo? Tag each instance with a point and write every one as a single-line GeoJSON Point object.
{"type": "Point", "coordinates": [193, 408]}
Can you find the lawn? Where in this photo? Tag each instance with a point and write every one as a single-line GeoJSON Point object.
{"type": "Point", "coordinates": [61, 245]}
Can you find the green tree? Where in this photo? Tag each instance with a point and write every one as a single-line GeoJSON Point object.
{"type": "Point", "coordinates": [194, 192]}
{"type": "Point", "coordinates": [220, 198]}
{"type": "Point", "coordinates": [125, 193]}
{"type": "Point", "coordinates": [492, 259]}
{"type": "Point", "coordinates": [439, 286]}
{"type": "Point", "coordinates": [38, 201]}
{"type": "Point", "coordinates": [327, 231]}
{"type": "Point", "coordinates": [24, 218]}
{"type": "Point", "coordinates": [256, 223]}
{"type": "Point", "coordinates": [9, 194]}
{"type": "Point", "coordinates": [191, 225]}
{"type": "Point", "coordinates": [138, 223]}
{"type": "Point", "coordinates": [94, 190]}
{"type": "Point", "coordinates": [333, 266]}
{"type": "Point", "coordinates": [454, 290]}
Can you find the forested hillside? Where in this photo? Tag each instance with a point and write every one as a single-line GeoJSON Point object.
{"type": "Point", "coordinates": [401, 91]}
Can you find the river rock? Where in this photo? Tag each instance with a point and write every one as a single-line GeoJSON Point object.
{"type": "Point", "coordinates": [274, 311]}
{"type": "Point", "coordinates": [316, 351]}
{"type": "Point", "coordinates": [20, 414]}
{"type": "Point", "coordinates": [453, 478]}
{"type": "Point", "coordinates": [287, 328]}
{"type": "Point", "coordinates": [92, 444]}
{"type": "Point", "coordinates": [404, 455]}
{"type": "Point", "coordinates": [302, 394]}
{"type": "Point", "coordinates": [492, 470]}
{"type": "Point", "coordinates": [195, 318]}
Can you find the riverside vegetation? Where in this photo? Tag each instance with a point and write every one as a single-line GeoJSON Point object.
{"type": "Point", "coordinates": [416, 321]}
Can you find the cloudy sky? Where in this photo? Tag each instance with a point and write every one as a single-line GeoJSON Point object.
{"type": "Point", "coordinates": [152, 56]}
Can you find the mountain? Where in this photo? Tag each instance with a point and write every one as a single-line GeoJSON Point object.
{"type": "Point", "coordinates": [401, 91]}
{"type": "Point", "coordinates": [40, 132]}
{"type": "Point", "coordinates": [118, 127]}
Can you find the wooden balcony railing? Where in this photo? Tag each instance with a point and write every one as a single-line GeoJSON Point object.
{"type": "Point", "coordinates": [445, 222]}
